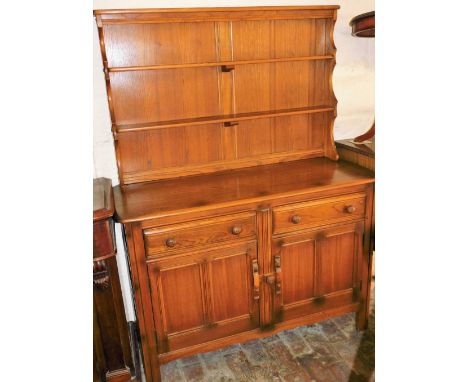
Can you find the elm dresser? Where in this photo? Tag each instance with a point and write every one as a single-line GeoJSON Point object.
{"type": "Point", "coordinates": [239, 219]}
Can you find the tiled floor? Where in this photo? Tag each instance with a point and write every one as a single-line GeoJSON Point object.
{"type": "Point", "coordinates": [330, 351]}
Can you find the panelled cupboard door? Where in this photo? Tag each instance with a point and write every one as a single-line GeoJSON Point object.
{"type": "Point", "coordinates": [317, 270]}
{"type": "Point", "coordinates": [201, 296]}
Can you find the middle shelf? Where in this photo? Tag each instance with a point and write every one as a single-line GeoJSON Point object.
{"type": "Point", "coordinates": [221, 119]}
{"type": "Point", "coordinates": [219, 63]}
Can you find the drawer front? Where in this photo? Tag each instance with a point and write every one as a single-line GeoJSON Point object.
{"type": "Point", "coordinates": [319, 212]}
{"type": "Point", "coordinates": [161, 240]}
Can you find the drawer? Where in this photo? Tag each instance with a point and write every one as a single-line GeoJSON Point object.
{"type": "Point", "coordinates": [173, 237]}
{"type": "Point", "coordinates": [318, 212]}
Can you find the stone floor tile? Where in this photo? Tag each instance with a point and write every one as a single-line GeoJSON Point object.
{"type": "Point", "coordinates": [324, 350]}
{"type": "Point", "coordinates": [216, 368]}
{"type": "Point", "coordinates": [288, 367]}
{"type": "Point", "coordinates": [170, 373]}
{"type": "Point", "coordinates": [219, 377]}
{"type": "Point", "coordinates": [272, 338]}
{"type": "Point", "coordinates": [347, 349]}
{"type": "Point", "coordinates": [230, 349]}
{"type": "Point", "coordinates": [266, 373]}
{"type": "Point", "coordinates": [347, 324]}
{"type": "Point", "coordinates": [313, 333]}
{"type": "Point", "coordinates": [240, 366]}
{"type": "Point", "coordinates": [255, 352]}
{"type": "Point", "coordinates": [190, 360]}
{"type": "Point", "coordinates": [318, 368]}
{"type": "Point", "coordinates": [332, 331]}
{"type": "Point", "coordinates": [193, 372]}
{"type": "Point", "coordinates": [295, 342]}
{"type": "Point", "coordinates": [296, 377]}
{"type": "Point", "coordinates": [340, 371]}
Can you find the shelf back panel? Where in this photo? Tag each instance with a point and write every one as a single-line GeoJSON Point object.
{"type": "Point", "coordinates": [167, 71]}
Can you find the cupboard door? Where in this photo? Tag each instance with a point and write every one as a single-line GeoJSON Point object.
{"type": "Point", "coordinates": [317, 270]}
{"type": "Point", "coordinates": [201, 296]}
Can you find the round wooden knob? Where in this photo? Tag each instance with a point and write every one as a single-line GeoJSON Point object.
{"type": "Point", "coordinates": [171, 242]}
{"type": "Point", "coordinates": [236, 230]}
{"type": "Point", "coordinates": [296, 219]}
{"type": "Point", "coordinates": [270, 279]}
{"type": "Point", "coordinates": [350, 209]}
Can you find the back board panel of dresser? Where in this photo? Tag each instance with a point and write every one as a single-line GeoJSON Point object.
{"type": "Point", "coordinates": [199, 91]}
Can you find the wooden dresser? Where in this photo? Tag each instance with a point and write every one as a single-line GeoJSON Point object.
{"type": "Point", "coordinates": [111, 348]}
{"type": "Point", "coordinates": [239, 220]}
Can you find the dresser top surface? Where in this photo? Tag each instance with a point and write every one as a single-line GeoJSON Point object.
{"type": "Point", "coordinates": [144, 201]}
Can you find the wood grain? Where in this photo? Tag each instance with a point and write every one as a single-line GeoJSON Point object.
{"type": "Point", "coordinates": [202, 296]}
{"type": "Point", "coordinates": [361, 154]}
{"type": "Point", "coordinates": [319, 315]}
{"type": "Point", "coordinates": [239, 219]}
{"type": "Point", "coordinates": [170, 15]}
{"type": "Point", "coordinates": [318, 269]}
{"type": "Point", "coordinates": [199, 233]}
{"type": "Point", "coordinates": [324, 211]}
{"type": "Point", "coordinates": [144, 201]}
{"type": "Point", "coordinates": [219, 63]}
{"type": "Point", "coordinates": [222, 118]}
{"type": "Point", "coordinates": [160, 44]}
{"type": "Point", "coordinates": [264, 223]}
{"type": "Point", "coordinates": [152, 96]}
{"type": "Point", "coordinates": [171, 70]}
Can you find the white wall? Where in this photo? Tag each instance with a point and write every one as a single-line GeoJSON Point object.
{"type": "Point", "coordinates": [353, 84]}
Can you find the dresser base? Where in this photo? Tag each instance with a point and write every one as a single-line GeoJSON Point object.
{"type": "Point", "coordinates": [257, 333]}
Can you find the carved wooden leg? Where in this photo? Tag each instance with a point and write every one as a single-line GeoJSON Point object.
{"type": "Point", "coordinates": [109, 322]}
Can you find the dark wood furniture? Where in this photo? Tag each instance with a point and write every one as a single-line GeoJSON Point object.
{"type": "Point", "coordinates": [363, 25]}
{"type": "Point", "coordinates": [239, 220]}
{"type": "Point", "coordinates": [112, 356]}
{"type": "Point", "coordinates": [363, 154]}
